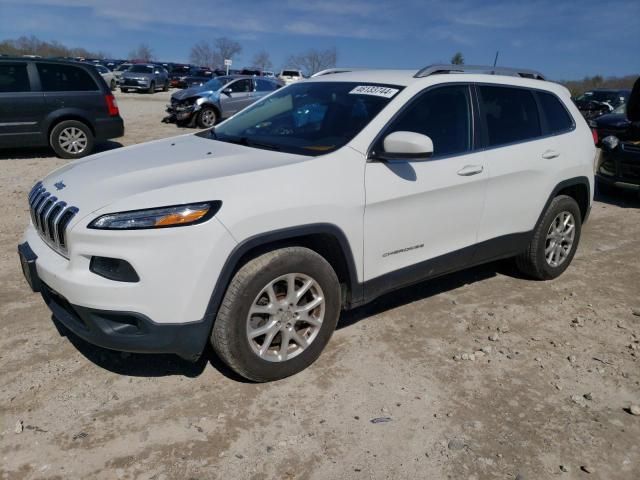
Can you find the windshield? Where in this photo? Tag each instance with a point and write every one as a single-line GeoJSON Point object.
{"type": "Point", "coordinates": [213, 84]}
{"type": "Point", "coordinates": [308, 118]}
{"type": "Point", "coordinates": [141, 69]}
{"type": "Point", "coordinates": [123, 67]}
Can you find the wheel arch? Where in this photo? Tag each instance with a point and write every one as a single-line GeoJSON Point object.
{"type": "Point", "coordinates": [577, 188]}
{"type": "Point", "coordinates": [55, 119]}
{"type": "Point", "coordinates": [327, 240]}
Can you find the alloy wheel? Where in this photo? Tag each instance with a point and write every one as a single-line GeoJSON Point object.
{"type": "Point", "coordinates": [73, 140]}
{"type": "Point", "coordinates": [285, 317]}
{"type": "Point", "coordinates": [560, 238]}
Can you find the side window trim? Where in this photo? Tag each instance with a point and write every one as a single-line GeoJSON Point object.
{"type": "Point", "coordinates": [542, 118]}
{"type": "Point", "coordinates": [472, 115]}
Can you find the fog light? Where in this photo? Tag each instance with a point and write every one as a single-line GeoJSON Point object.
{"type": "Point", "coordinates": [113, 269]}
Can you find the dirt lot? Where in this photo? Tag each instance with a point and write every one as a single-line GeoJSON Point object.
{"type": "Point", "coordinates": [549, 390]}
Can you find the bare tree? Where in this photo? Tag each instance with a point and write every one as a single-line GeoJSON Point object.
{"type": "Point", "coordinates": [34, 46]}
{"type": "Point", "coordinates": [227, 48]}
{"type": "Point", "coordinates": [457, 59]}
{"type": "Point", "coordinates": [313, 60]}
{"type": "Point", "coordinates": [202, 54]}
{"type": "Point", "coordinates": [262, 60]}
{"type": "Point", "coordinates": [213, 54]}
{"type": "Point", "coordinates": [142, 52]}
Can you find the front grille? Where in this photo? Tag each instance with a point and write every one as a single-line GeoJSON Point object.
{"type": "Point", "coordinates": [50, 217]}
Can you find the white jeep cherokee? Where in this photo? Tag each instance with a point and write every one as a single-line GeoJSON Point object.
{"type": "Point", "coordinates": [320, 197]}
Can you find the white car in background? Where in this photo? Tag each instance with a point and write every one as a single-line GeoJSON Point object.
{"type": "Point", "coordinates": [107, 75]}
{"type": "Point", "coordinates": [119, 70]}
{"type": "Point", "coordinates": [320, 197]}
{"type": "Point", "coordinates": [289, 76]}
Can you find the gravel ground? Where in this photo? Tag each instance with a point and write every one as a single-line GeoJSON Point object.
{"type": "Point", "coordinates": [477, 375]}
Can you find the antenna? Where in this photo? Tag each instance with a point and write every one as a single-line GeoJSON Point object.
{"type": "Point", "coordinates": [495, 60]}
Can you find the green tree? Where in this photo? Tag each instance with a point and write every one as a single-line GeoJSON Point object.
{"type": "Point", "coordinates": [457, 59]}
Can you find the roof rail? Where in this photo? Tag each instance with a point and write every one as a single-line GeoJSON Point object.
{"type": "Point", "coordinates": [330, 71]}
{"type": "Point", "coordinates": [515, 72]}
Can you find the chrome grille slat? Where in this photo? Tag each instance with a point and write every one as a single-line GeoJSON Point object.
{"type": "Point", "coordinates": [50, 217]}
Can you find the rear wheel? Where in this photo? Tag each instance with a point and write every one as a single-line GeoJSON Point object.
{"type": "Point", "coordinates": [124, 90]}
{"type": "Point", "coordinates": [278, 314]}
{"type": "Point", "coordinates": [165, 88]}
{"type": "Point", "coordinates": [554, 241]}
{"type": "Point", "coordinates": [71, 139]}
{"type": "Point", "coordinates": [207, 117]}
{"type": "Point", "coordinates": [152, 87]}
{"type": "Point", "coordinates": [112, 85]}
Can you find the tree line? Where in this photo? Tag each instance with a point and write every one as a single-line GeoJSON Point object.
{"type": "Point", "coordinates": [213, 53]}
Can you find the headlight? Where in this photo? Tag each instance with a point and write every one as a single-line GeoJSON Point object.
{"type": "Point", "coordinates": [610, 143]}
{"type": "Point", "coordinates": [175, 216]}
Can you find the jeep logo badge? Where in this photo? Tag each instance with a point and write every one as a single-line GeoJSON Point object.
{"type": "Point", "coordinates": [60, 185]}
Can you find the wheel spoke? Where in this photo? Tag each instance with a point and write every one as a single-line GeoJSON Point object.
{"type": "Point", "coordinates": [267, 341]}
{"type": "Point", "coordinates": [262, 330]}
{"type": "Point", "coordinates": [304, 289]}
{"type": "Point", "coordinates": [285, 338]}
{"type": "Point", "coordinates": [299, 339]}
{"type": "Point", "coordinates": [291, 288]}
{"type": "Point", "coordinates": [311, 305]}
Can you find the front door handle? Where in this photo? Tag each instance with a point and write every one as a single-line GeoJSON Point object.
{"type": "Point", "coordinates": [469, 170]}
{"type": "Point", "coordinates": [549, 154]}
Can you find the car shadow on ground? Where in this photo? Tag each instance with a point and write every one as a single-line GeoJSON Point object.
{"type": "Point", "coordinates": [161, 365]}
{"type": "Point", "coordinates": [619, 198]}
{"type": "Point", "coordinates": [146, 364]}
{"type": "Point", "coordinates": [46, 152]}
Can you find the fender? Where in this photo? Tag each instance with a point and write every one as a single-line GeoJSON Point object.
{"type": "Point", "coordinates": [570, 182]}
{"type": "Point", "coordinates": [286, 234]}
{"type": "Point", "coordinates": [64, 114]}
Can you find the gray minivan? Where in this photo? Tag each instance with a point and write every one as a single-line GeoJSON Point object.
{"type": "Point", "coordinates": [64, 104]}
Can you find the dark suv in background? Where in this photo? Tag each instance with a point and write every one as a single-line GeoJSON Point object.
{"type": "Point", "coordinates": [66, 105]}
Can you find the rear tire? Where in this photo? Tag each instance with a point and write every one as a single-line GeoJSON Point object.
{"type": "Point", "coordinates": [152, 88]}
{"type": "Point", "coordinates": [124, 90]}
{"type": "Point", "coordinates": [71, 139]}
{"type": "Point", "coordinates": [555, 240]}
{"type": "Point", "coordinates": [112, 85]}
{"type": "Point", "coordinates": [274, 285]}
{"type": "Point", "coordinates": [165, 88]}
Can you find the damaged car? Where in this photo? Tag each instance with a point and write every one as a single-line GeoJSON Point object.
{"type": "Point", "coordinates": [217, 99]}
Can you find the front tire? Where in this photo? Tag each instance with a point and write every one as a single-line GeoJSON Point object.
{"type": "Point", "coordinates": [71, 139]}
{"type": "Point", "coordinates": [277, 315]}
{"type": "Point", "coordinates": [555, 240]}
{"type": "Point", "coordinates": [207, 117]}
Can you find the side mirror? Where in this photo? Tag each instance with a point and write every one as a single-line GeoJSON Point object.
{"type": "Point", "coordinates": [227, 91]}
{"type": "Point", "coordinates": [633, 105]}
{"type": "Point", "coordinates": [406, 146]}
{"type": "Point", "coordinates": [157, 72]}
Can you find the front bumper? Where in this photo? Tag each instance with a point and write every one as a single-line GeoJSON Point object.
{"type": "Point", "coordinates": [165, 311]}
{"type": "Point", "coordinates": [127, 331]}
{"type": "Point", "coordinates": [182, 113]}
{"type": "Point", "coordinates": [621, 167]}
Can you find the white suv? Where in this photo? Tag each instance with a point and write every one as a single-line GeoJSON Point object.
{"type": "Point", "coordinates": [289, 76]}
{"type": "Point", "coordinates": [320, 197]}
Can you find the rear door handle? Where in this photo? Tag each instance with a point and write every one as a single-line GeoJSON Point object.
{"type": "Point", "coordinates": [549, 154]}
{"type": "Point", "coordinates": [469, 170]}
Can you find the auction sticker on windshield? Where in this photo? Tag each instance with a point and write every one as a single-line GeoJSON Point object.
{"type": "Point", "coordinates": [385, 92]}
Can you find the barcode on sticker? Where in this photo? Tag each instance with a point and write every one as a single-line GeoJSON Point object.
{"type": "Point", "coordinates": [385, 92]}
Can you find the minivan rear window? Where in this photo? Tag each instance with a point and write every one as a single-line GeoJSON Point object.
{"type": "Point", "coordinates": [65, 78]}
{"type": "Point", "coordinates": [14, 78]}
{"type": "Point", "coordinates": [556, 115]}
{"type": "Point", "coordinates": [290, 73]}
{"type": "Point", "coordinates": [510, 114]}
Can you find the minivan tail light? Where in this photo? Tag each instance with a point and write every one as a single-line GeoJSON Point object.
{"type": "Point", "coordinates": [594, 132]}
{"type": "Point", "coordinates": [112, 105]}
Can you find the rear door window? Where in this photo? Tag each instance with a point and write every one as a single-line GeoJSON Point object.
{"type": "Point", "coordinates": [555, 114]}
{"type": "Point", "coordinates": [14, 78]}
{"type": "Point", "coordinates": [241, 86]}
{"type": "Point", "coordinates": [65, 78]}
{"type": "Point", "coordinates": [265, 85]}
{"type": "Point", "coordinates": [509, 114]}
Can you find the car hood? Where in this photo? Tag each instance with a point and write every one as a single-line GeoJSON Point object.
{"type": "Point", "coordinates": [613, 120]}
{"type": "Point", "coordinates": [160, 167]}
{"type": "Point", "coordinates": [191, 92]}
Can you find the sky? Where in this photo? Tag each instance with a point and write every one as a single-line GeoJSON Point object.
{"type": "Point", "coordinates": [564, 39]}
